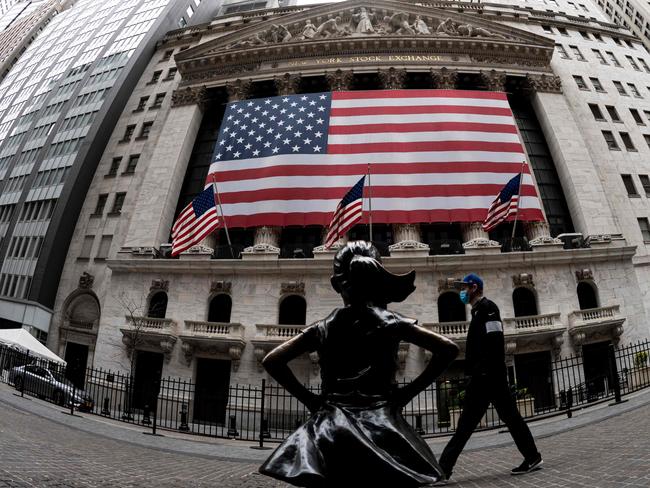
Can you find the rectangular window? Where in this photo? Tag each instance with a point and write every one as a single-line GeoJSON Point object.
{"type": "Point", "coordinates": [146, 129]}
{"type": "Point", "coordinates": [133, 162]}
{"type": "Point", "coordinates": [597, 85]}
{"type": "Point", "coordinates": [609, 139]}
{"type": "Point", "coordinates": [598, 37]}
{"type": "Point", "coordinates": [167, 55]}
{"type": "Point", "coordinates": [101, 203]}
{"type": "Point", "coordinates": [629, 186]}
{"type": "Point", "coordinates": [142, 104]}
{"type": "Point", "coordinates": [576, 52]}
{"type": "Point", "coordinates": [636, 116]}
{"type": "Point", "coordinates": [645, 65]}
{"type": "Point", "coordinates": [157, 103]}
{"type": "Point", "coordinates": [190, 11]}
{"type": "Point", "coordinates": [613, 113]}
{"type": "Point", "coordinates": [118, 203]}
{"type": "Point", "coordinates": [104, 247]}
{"type": "Point", "coordinates": [128, 133]}
{"type": "Point", "coordinates": [595, 111]}
{"type": "Point", "coordinates": [562, 31]}
{"type": "Point", "coordinates": [644, 225]}
{"type": "Point", "coordinates": [561, 51]}
{"type": "Point", "coordinates": [86, 247]}
{"type": "Point", "coordinates": [621, 89]}
{"type": "Point", "coordinates": [630, 60]}
{"type": "Point", "coordinates": [171, 74]}
{"type": "Point", "coordinates": [613, 59]}
{"type": "Point", "coordinates": [634, 90]}
{"type": "Point", "coordinates": [155, 77]}
{"type": "Point", "coordinates": [645, 183]}
{"type": "Point", "coordinates": [585, 35]}
{"type": "Point", "coordinates": [580, 82]}
{"type": "Point", "coordinates": [115, 166]}
{"type": "Point", "coordinates": [182, 23]}
{"type": "Point", "coordinates": [627, 141]}
{"type": "Point", "coordinates": [599, 56]}
{"type": "Point", "coordinates": [547, 28]}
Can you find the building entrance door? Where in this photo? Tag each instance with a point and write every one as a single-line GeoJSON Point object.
{"type": "Point", "coordinates": [596, 366]}
{"type": "Point", "coordinates": [211, 390]}
{"type": "Point", "coordinates": [533, 372]}
{"type": "Point", "coordinates": [148, 370]}
{"type": "Point", "coordinates": [76, 355]}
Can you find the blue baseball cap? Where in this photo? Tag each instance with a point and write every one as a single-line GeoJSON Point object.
{"type": "Point", "coordinates": [471, 279]}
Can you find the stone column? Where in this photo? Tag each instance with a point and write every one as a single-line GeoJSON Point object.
{"type": "Point", "coordinates": [153, 211]}
{"type": "Point", "coordinates": [539, 235]}
{"type": "Point", "coordinates": [339, 80]}
{"type": "Point", "coordinates": [475, 239]}
{"type": "Point", "coordinates": [574, 159]}
{"type": "Point", "coordinates": [444, 78]}
{"type": "Point", "coordinates": [392, 78]}
{"type": "Point", "coordinates": [494, 80]}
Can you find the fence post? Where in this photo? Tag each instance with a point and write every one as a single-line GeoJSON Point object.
{"type": "Point", "coordinates": [569, 402]}
{"type": "Point", "coordinates": [74, 394]}
{"type": "Point", "coordinates": [22, 383]}
{"type": "Point", "coordinates": [613, 369]}
{"type": "Point", "coordinates": [262, 419]}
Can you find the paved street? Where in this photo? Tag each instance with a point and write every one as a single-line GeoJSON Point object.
{"type": "Point", "coordinates": [44, 452]}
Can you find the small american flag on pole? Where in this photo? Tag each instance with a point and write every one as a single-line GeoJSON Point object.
{"type": "Point", "coordinates": [505, 204]}
{"type": "Point", "coordinates": [347, 213]}
{"type": "Point", "coordinates": [195, 222]}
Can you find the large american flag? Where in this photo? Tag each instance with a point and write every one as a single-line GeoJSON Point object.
{"type": "Point", "coordinates": [504, 205]}
{"type": "Point", "coordinates": [435, 156]}
{"type": "Point", "coordinates": [195, 222]}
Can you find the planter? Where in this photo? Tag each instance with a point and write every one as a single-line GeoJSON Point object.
{"type": "Point", "coordinates": [526, 406]}
{"type": "Point", "coordinates": [638, 377]}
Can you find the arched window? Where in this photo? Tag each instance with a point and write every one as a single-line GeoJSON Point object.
{"type": "Point", "coordinates": [220, 307]}
{"type": "Point", "coordinates": [450, 308]}
{"type": "Point", "coordinates": [158, 305]}
{"type": "Point", "coordinates": [83, 311]}
{"type": "Point", "coordinates": [293, 310]}
{"type": "Point", "coordinates": [524, 302]}
{"type": "Point", "coordinates": [587, 297]}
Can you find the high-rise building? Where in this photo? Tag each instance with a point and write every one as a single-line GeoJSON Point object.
{"type": "Point", "coordinates": [577, 85]}
{"type": "Point", "coordinates": [631, 14]}
{"type": "Point", "coordinates": [58, 105]}
{"type": "Point", "coordinates": [7, 4]}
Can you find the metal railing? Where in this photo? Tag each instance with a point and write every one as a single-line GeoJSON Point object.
{"type": "Point", "coordinates": [267, 411]}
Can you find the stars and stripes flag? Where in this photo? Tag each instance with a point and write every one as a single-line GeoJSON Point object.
{"type": "Point", "coordinates": [505, 204]}
{"type": "Point", "coordinates": [195, 222]}
{"type": "Point", "coordinates": [348, 212]}
{"type": "Point", "coordinates": [436, 156]}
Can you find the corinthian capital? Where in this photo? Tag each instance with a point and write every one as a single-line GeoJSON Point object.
{"type": "Point", "coordinates": [444, 78]}
{"type": "Point", "coordinates": [238, 90]}
{"type": "Point", "coordinates": [192, 95]}
{"type": "Point", "coordinates": [287, 84]}
{"type": "Point", "coordinates": [339, 80]}
{"type": "Point", "coordinates": [494, 80]}
{"type": "Point", "coordinates": [392, 78]}
{"type": "Point", "coordinates": [543, 83]}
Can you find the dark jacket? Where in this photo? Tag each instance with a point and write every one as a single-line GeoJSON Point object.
{"type": "Point", "coordinates": [484, 352]}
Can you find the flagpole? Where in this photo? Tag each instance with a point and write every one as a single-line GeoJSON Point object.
{"type": "Point", "coordinates": [225, 225]}
{"type": "Point", "coordinates": [521, 179]}
{"type": "Point", "coordinates": [369, 203]}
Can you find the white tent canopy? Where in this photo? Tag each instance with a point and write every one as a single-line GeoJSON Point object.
{"type": "Point", "coordinates": [22, 339]}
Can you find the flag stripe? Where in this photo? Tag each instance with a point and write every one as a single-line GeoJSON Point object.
{"type": "Point", "coordinates": [421, 127]}
{"type": "Point", "coordinates": [344, 148]}
{"type": "Point", "coordinates": [414, 137]}
{"type": "Point", "coordinates": [470, 96]}
{"type": "Point", "coordinates": [195, 221]}
{"type": "Point", "coordinates": [401, 115]}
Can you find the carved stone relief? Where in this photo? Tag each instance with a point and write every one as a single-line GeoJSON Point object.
{"type": "Point", "coordinates": [238, 90]}
{"type": "Point", "coordinates": [392, 78]}
{"type": "Point", "coordinates": [523, 279]}
{"type": "Point", "coordinates": [339, 80]}
{"type": "Point", "coordinates": [194, 95]}
{"type": "Point", "coordinates": [444, 78]}
{"type": "Point", "coordinates": [159, 285]}
{"type": "Point", "coordinates": [293, 287]}
{"type": "Point", "coordinates": [287, 84]}
{"type": "Point", "coordinates": [86, 281]}
{"type": "Point", "coordinates": [221, 287]}
{"type": "Point", "coordinates": [584, 274]}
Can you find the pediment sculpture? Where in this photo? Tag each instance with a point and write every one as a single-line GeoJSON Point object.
{"type": "Point", "coordinates": [363, 22]}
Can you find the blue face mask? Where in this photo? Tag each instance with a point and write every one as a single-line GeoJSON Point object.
{"type": "Point", "coordinates": [464, 296]}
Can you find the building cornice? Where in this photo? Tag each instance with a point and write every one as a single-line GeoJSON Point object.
{"type": "Point", "coordinates": [445, 264]}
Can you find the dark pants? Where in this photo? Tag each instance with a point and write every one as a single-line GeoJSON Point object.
{"type": "Point", "coordinates": [480, 392]}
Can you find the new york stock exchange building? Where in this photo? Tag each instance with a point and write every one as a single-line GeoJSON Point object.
{"type": "Point", "coordinates": [571, 284]}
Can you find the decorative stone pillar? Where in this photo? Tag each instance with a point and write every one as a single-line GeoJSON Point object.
{"type": "Point", "coordinates": [287, 84]}
{"type": "Point", "coordinates": [543, 83]}
{"type": "Point", "coordinates": [321, 253]}
{"type": "Point", "coordinates": [444, 78]}
{"type": "Point", "coordinates": [339, 80]}
{"type": "Point", "coordinates": [407, 241]}
{"type": "Point", "coordinates": [153, 211]}
{"type": "Point", "coordinates": [494, 80]}
{"type": "Point", "coordinates": [475, 239]}
{"type": "Point", "coordinates": [238, 90]}
{"type": "Point", "coordinates": [265, 244]}
{"type": "Point", "coordinates": [392, 78]}
{"type": "Point", "coordinates": [539, 235]}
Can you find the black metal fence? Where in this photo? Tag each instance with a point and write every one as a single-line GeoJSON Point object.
{"type": "Point", "coordinates": [267, 412]}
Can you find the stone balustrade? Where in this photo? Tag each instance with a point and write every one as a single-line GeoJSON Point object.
{"type": "Point", "coordinates": [533, 322]}
{"type": "Point", "coordinates": [150, 323]}
{"type": "Point", "coordinates": [216, 329]}
{"type": "Point", "coordinates": [594, 314]}
{"type": "Point", "coordinates": [454, 330]}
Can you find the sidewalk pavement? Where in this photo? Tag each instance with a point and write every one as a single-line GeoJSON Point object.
{"type": "Point", "coordinates": [242, 451]}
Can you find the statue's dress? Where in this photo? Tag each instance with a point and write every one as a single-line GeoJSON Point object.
{"type": "Point", "coordinates": [358, 437]}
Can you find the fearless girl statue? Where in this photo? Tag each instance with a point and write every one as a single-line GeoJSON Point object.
{"type": "Point", "coordinates": [356, 435]}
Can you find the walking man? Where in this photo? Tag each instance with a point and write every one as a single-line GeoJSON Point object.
{"type": "Point", "coordinates": [486, 368]}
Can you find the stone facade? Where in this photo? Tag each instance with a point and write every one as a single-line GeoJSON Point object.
{"type": "Point", "coordinates": [506, 46]}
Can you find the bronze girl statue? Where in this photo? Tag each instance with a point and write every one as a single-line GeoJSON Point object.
{"type": "Point", "coordinates": [356, 435]}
